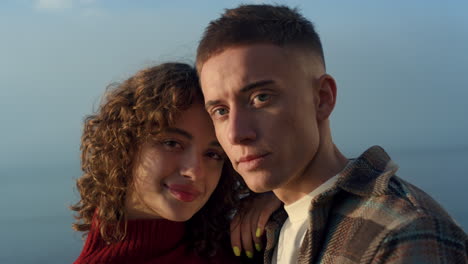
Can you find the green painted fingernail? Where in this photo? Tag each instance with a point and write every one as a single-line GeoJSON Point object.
{"type": "Point", "coordinates": [249, 254]}
{"type": "Point", "coordinates": [236, 251]}
{"type": "Point", "coordinates": [258, 233]}
{"type": "Point", "coordinates": [258, 247]}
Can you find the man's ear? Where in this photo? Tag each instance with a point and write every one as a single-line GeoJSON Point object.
{"type": "Point", "coordinates": [326, 96]}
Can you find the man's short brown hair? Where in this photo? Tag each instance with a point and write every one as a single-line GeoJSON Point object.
{"type": "Point", "coordinates": [255, 24]}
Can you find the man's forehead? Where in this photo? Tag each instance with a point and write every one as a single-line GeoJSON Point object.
{"type": "Point", "coordinates": [240, 66]}
{"type": "Point", "coordinates": [249, 53]}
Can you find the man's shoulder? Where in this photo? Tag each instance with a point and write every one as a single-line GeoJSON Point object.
{"type": "Point", "coordinates": [373, 191]}
{"type": "Point", "coordinates": [415, 224]}
{"type": "Point", "coordinates": [403, 223]}
{"type": "Point", "coordinates": [419, 203]}
{"type": "Point", "coordinates": [399, 205]}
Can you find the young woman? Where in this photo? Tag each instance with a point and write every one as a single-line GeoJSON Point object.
{"type": "Point", "coordinates": [156, 187]}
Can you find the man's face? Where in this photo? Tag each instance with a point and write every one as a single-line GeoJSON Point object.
{"type": "Point", "coordinates": [263, 103]}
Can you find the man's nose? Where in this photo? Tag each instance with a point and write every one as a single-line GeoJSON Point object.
{"type": "Point", "coordinates": [241, 128]}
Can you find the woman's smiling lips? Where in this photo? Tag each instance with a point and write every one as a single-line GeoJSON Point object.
{"type": "Point", "coordinates": [251, 162]}
{"type": "Point", "coordinates": [183, 192]}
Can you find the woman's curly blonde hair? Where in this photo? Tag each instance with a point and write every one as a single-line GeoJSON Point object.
{"type": "Point", "coordinates": [132, 111]}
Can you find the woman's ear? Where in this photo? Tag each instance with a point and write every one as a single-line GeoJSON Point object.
{"type": "Point", "coordinates": [326, 96]}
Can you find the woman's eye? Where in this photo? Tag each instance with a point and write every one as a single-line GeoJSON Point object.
{"type": "Point", "coordinates": [215, 156]}
{"type": "Point", "coordinates": [171, 144]}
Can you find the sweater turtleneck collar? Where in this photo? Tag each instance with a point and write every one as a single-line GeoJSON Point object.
{"type": "Point", "coordinates": [146, 240]}
{"type": "Point", "coordinates": [141, 234]}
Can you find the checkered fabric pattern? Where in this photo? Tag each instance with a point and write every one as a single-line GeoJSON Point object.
{"type": "Point", "coordinates": [372, 216]}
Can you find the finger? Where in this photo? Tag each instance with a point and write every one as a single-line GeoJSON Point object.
{"type": "Point", "coordinates": [272, 203]}
{"type": "Point", "coordinates": [246, 234]}
{"type": "Point", "coordinates": [236, 235]}
{"type": "Point", "coordinates": [254, 229]}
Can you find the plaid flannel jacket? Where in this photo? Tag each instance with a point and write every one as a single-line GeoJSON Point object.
{"type": "Point", "coordinates": [372, 216]}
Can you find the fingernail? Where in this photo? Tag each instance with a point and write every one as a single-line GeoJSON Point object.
{"type": "Point", "coordinates": [258, 247]}
{"type": "Point", "coordinates": [249, 254]}
{"type": "Point", "coordinates": [236, 251]}
{"type": "Point", "coordinates": [258, 233]}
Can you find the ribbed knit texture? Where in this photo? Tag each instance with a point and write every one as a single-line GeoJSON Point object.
{"type": "Point", "coordinates": [147, 241]}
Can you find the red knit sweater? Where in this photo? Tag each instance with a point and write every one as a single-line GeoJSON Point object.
{"type": "Point", "coordinates": [147, 241]}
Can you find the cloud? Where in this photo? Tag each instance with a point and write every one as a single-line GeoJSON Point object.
{"type": "Point", "coordinates": [87, 8]}
{"type": "Point", "coordinates": [54, 4]}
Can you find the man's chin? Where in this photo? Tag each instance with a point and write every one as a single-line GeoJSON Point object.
{"type": "Point", "coordinates": [259, 186]}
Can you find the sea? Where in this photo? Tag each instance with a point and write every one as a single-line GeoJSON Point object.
{"type": "Point", "coordinates": [35, 222]}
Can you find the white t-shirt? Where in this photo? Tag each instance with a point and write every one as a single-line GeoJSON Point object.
{"type": "Point", "coordinates": [295, 227]}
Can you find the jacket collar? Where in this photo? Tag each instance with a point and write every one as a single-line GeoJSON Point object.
{"type": "Point", "coordinates": [369, 174]}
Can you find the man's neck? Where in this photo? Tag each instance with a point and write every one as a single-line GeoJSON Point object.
{"type": "Point", "coordinates": [327, 163]}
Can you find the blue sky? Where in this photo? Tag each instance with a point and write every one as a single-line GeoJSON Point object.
{"type": "Point", "coordinates": [401, 67]}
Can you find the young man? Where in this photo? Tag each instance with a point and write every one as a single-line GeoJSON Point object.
{"type": "Point", "coordinates": [263, 75]}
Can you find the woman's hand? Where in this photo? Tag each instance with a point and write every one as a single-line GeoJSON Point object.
{"type": "Point", "coordinates": [248, 224]}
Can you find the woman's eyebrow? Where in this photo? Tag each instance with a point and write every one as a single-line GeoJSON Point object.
{"type": "Point", "coordinates": [189, 136]}
{"type": "Point", "coordinates": [178, 131]}
{"type": "Point", "coordinates": [215, 143]}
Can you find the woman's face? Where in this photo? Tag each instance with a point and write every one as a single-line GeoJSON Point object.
{"type": "Point", "coordinates": [175, 174]}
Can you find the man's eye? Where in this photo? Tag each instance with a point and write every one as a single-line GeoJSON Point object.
{"type": "Point", "coordinates": [261, 98]}
{"type": "Point", "coordinates": [220, 111]}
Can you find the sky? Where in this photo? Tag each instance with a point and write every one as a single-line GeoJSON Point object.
{"type": "Point", "coordinates": [400, 66]}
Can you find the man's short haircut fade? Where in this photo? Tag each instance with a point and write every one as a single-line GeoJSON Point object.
{"type": "Point", "coordinates": [258, 24]}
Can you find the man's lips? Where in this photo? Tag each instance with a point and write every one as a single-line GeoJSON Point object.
{"type": "Point", "coordinates": [183, 192]}
{"type": "Point", "coordinates": [251, 162]}
{"type": "Point", "coordinates": [251, 157]}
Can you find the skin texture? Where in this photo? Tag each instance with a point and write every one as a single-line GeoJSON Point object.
{"type": "Point", "coordinates": [186, 156]}
{"type": "Point", "coordinates": [270, 107]}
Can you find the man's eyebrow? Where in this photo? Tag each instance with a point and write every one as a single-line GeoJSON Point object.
{"type": "Point", "coordinates": [244, 89]}
{"type": "Point", "coordinates": [255, 85]}
{"type": "Point", "coordinates": [178, 131]}
{"type": "Point", "coordinates": [211, 102]}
